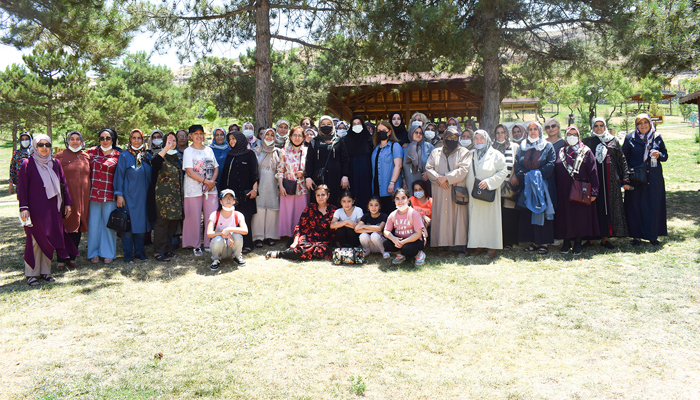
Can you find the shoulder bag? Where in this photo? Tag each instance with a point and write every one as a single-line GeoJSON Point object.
{"type": "Point", "coordinates": [580, 191]}
{"type": "Point", "coordinates": [638, 174]}
{"type": "Point", "coordinates": [460, 194]}
{"type": "Point", "coordinates": [119, 220]}
{"type": "Point", "coordinates": [481, 194]}
{"type": "Point", "coordinates": [320, 173]}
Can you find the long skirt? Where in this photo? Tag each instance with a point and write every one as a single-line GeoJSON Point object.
{"type": "Point", "coordinates": [291, 208]}
{"type": "Point", "coordinates": [537, 234]}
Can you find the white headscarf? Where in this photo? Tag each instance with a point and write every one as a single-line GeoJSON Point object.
{"type": "Point", "coordinates": [481, 152]}
{"type": "Point", "coordinates": [44, 165]}
{"type": "Point", "coordinates": [539, 144]}
{"type": "Point", "coordinates": [649, 137]}
{"type": "Point", "coordinates": [601, 150]}
{"type": "Point", "coordinates": [280, 140]}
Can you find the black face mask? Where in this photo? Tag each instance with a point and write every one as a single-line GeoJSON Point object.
{"type": "Point", "coordinates": [451, 144]}
{"type": "Point", "coordinates": [326, 130]}
{"type": "Point", "coordinates": [383, 135]}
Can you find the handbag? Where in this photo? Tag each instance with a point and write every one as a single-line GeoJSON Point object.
{"type": "Point", "coordinates": [320, 173]}
{"type": "Point", "coordinates": [510, 191]}
{"type": "Point", "coordinates": [119, 220]}
{"type": "Point", "coordinates": [481, 194]}
{"type": "Point", "coordinates": [580, 192]}
{"type": "Point", "coordinates": [348, 255]}
{"type": "Point", "coordinates": [460, 194]}
{"type": "Point", "coordinates": [638, 174]}
{"type": "Point", "coordinates": [290, 186]}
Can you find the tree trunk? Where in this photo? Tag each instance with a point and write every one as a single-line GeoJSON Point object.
{"type": "Point", "coordinates": [491, 110]}
{"type": "Point", "coordinates": [14, 136]}
{"type": "Point", "coordinates": [263, 66]}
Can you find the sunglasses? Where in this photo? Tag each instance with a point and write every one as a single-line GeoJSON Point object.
{"type": "Point", "coordinates": [550, 126]}
{"type": "Point", "coordinates": [599, 126]}
{"type": "Point", "coordinates": [105, 138]}
{"type": "Point", "coordinates": [40, 145]}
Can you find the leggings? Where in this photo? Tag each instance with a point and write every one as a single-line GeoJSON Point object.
{"type": "Point", "coordinates": [409, 249]}
{"type": "Point", "coordinates": [347, 237]}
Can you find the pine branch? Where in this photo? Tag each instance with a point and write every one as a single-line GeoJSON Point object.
{"type": "Point", "coordinates": [303, 43]}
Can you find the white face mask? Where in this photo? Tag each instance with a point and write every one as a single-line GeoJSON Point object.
{"type": "Point", "coordinates": [173, 151]}
{"type": "Point", "coordinates": [571, 140]}
{"type": "Point", "coordinates": [25, 143]}
{"type": "Point", "coordinates": [137, 148]}
{"type": "Point", "coordinates": [74, 149]}
{"type": "Point", "coordinates": [106, 148]}
{"type": "Point", "coordinates": [465, 142]}
{"type": "Point", "coordinates": [417, 123]}
{"type": "Point", "coordinates": [357, 128]}
{"type": "Point", "coordinates": [500, 141]}
{"type": "Point", "coordinates": [228, 208]}
{"type": "Point", "coordinates": [157, 142]}
{"type": "Point", "coordinates": [402, 208]}
{"type": "Point", "coordinates": [269, 142]}
{"type": "Point", "coordinates": [452, 126]}
{"type": "Point", "coordinates": [532, 140]}
{"type": "Point", "coordinates": [419, 194]}
{"type": "Point", "coordinates": [342, 132]}
{"type": "Point", "coordinates": [430, 135]}
{"type": "Point", "coordinates": [248, 133]}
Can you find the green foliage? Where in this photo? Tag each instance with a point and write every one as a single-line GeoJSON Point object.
{"type": "Point", "coordinates": [211, 114]}
{"type": "Point", "coordinates": [357, 385]}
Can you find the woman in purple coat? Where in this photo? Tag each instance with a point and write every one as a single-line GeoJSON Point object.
{"type": "Point", "coordinates": [573, 220]}
{"type": "Point", "coordinates": [40, 202]}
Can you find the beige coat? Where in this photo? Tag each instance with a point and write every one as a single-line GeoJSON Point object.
{"type": "Point", "coordinates": [449, 220]}
{"type": "Point", "coordinates": [485, 229]}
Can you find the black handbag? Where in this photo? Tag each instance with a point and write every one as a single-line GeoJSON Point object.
{"type": "Point", "coordinates": [119, 220]}
{"type": "Point", "coordinates": [460, 194]}
{"type": "Point", "coordinates": [638, 174]}
{"type": "Point", "coordinates": [290, 186]}
{"type": "Point", "coordinates": [320, 173]}
{"type": "Point", "coordinates": [481, 194]}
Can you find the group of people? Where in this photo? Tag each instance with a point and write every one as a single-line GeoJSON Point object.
{"type": "Point", "coordinates": [388, 188]}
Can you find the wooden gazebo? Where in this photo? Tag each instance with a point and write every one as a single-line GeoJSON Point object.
{"type": "Point", "coordinates": [438, 96]}
{"type": "Point", "coordinates": [664, 96]}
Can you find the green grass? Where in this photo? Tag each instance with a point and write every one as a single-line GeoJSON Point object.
{"type": "Point", "coordinates": [620, 324]}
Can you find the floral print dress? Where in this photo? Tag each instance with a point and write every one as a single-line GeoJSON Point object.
{"type": "Point", "coordinates": [315, 233]}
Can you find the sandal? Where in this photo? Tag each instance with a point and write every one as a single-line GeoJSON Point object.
{"type": "Point", "coordinates": [531, 247]}
{"type": "Point", "coordinates": [48, 277]}
{"type": "Point", "coordinates": [171, 255]}
{"type": "Point", "coordinates": [269, 242]}
{"type": "Point", "coordinates": [162, 258]}
{"type": "Point", "coordinates": [32, 281]}
{"type": "Point", "coordinates": [543, 250]}
{"type": "Point", "coordinates": [258, 243]}
{"type": "Point", "coordinates": [246, 250]}
{"type": "Point", "coordinates": [61, 266]}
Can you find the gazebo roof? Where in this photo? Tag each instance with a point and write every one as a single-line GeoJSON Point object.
{"type": "Point", "coordinates": [690, 98]}
{"type": "Point", "coordinates": [520, 103]}
{"type": "Point", "coordinates": [638, 96]}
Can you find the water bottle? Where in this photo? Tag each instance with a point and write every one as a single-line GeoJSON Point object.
{"type": "Point", "coordinates": [653, 162]}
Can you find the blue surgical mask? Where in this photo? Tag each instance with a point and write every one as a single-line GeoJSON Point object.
{"type": "Point", "coordinates": [480, 146]}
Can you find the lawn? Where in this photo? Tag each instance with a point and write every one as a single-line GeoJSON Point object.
{"type": "Point", "coordinates": [620, 324]}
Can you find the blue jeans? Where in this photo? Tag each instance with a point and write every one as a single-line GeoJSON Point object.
{"type": "Point", "coordinates": [101, 241]}
{"type": "Point", "coordinates": [135, 242]}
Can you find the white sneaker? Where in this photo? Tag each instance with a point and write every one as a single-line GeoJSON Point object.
{"type": "Point", "coordinates": [197, 252]}
{"type": "Point", "coordinates": [386, 255]}
{"type": "Point", "coordinates": [420, 258]}
{"type": "Point", "coordinates": [399, 259]}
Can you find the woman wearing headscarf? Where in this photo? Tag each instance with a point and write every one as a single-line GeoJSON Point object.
{"type": "Point", "coordinates": [489, 167]}
{"type": "Point", "coordinates": [240, 174]}
{"type": "Point", "coordinates": [309, 135]}
{"type": "Point", "coordinates": [370, 127]}
{"type": "Point", "coordinates": [431, 135]}
{"type": "Point", "coordinates": [448, 166]}
{"type": "Point", "coordinates": [415, 158]}
{"type": "Point", "coordinates": [328, 153]}
{"type": "Point", "coordinates": [399, 128]}
{"type": "Point", "coordinates": [466, 139]}
{"type": "Point", "coordinates": [575, 220]}
{"type": "Point", "coordinates": [291, 167]}
{"type": "Point", "coordinates": [25, 150]}
{"type": "Point", "coordinates": [553, 131]}
{"type": "Point", "coordinates": [612, 174]}
{"type": "Point", "coordinates": [102, 241]}
{"type": "Point", "coordinates": [518, 133]}
{"type": "Point", "coordinates": [510, 216]}
{"type": "Point", "coordinates": [341, 129]}
{"type": "Point", "coordinates": [387, 162]}
{"type": "Point", "coordinates": [645, 206]}
{"type": "Point", "coordinates": [131, 181]}
{"type": "Point", "coordinates": [266, 220]}
{"type": "Point", "coordinates": [534, 170]}
{"type": "Point", "coordinates": [155, 142]}
{"type": "Point", "coordinates": [249, 133]}
{"type": "Point", "coordinates": [281, 133]}
{"type": "Point", "coordinates": [454, 124]}
{"type": "Point", "coordinates": [76, 167]}
{"type": "Point", "coordinates": [359, 145]}
{"type": "Point", "coordinates": [39, 182]}
{"type": "Point", "coordinates": [165, 200]}
{"type": "Point", "coordinates": [306, 122]}
{"type": "Point", "coordinates": [220, 148]}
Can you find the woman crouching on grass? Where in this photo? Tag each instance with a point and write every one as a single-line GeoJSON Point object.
{"type": "Point", "coordinates": [226, 230]}
{"type": "Point", "coordinates": [404, 231]}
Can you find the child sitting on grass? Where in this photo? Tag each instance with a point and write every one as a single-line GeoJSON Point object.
{"type": "Point", "coordinates": [226, 229]}
{"type": "Point", "coordinates": [371, 228]}
{"type": "Point", "coordinates": [344, 221]}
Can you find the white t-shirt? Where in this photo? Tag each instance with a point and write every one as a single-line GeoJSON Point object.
{"type": "Point", "coordinates": [354, 217]}
{"type": "Point", "coordinates": [203, 163]}
{"type": "Point", "coordinates": [226, 222]}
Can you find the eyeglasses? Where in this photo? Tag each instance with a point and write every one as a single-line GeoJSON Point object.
{"type": "Point", "coordinates": [550, 126]}
{"type": "Point", "coordinates": [40, 145]}
{"type": "Point", "coordinates": [105, 138]}
{"type": "Point", "coordinates": [599, 126]}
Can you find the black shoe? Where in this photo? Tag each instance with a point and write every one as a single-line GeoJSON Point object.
{"type": "Point", "coordinates": [636, 242]}
{"type": "Point", "coordinates": [239, 260]}
{"type": "Point", "coordinates": [655, 242]}
{"type": "Point", "coordinates": [577, 248]}
{"type": "Point", "coordinates": [587, 243]}
{"type": "Point", "coordinates": [607, 245]}
{"type": "Point", "coordinates": [215, 265]}
{"type": "Point", "coordinates": [565, 247]}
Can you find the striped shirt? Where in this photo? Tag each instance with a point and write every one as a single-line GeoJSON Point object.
{"type": "Point", "coordinates": [102, 169]}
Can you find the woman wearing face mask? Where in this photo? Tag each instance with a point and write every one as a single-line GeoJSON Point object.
{"type": "Point", "coordinates": [281, 132]}
{"type": "Point", "coordinates": [534, 169]}
{"type": "Point", "coordinates": [166, 208]}
{"type": "Point", "coordinates": [431, 135]}
{"type": "Point", "coordinates": [489, 167]}
{"type": "Point", "coordinates": [387, 162]}
{"type": "Point", "coordinates": [448, 166]}
{"type": "Point", "coordinates": [342, 129]}
{"type": "Point", "coordinates": [131, 181]}
{"type": "Point", "coordinates": [24, 151]}
{"type": "Point", "coordinates": [102, 241]}
{"type": "Point", "coordinates": [291, 167]}
{"type": "Point", "coordinates": [265, 224]}
{"type": "Point", "coordinates": [418, 119]}
{"type": "Point", "coordinates": [454, 124]}
{"type": "Point", "coordinates": [327, 161]}
{"type": "Point", "coordinates": [509, 214]}
{"type": "Point", "coordinates": [399, 129]}
{"type": "Point", "coordinates": [612, 174]}
{"type": "Point", "coordinates": [240, 174]}
{"type": "Point", "coordinates": [575, 220]}
{"type": "Point", "coordinates": [465, 139]}
{"type": "Point", "coordinates": [220, 148]}
{"type": "Point", "coordinates": [415, 158]}
{"type": "Point", "coordinates": [359, 145]}
{"type": "Point", "coordinates": [155, 142]}
{"type": "Point", "coordinates": [249, 133]}
{"type": "Point", "coordinates": [645, 206]}
{"type": "Point", "coordinates": [76, 168]}
{"type": "Point", "coordinates": [40, 197]}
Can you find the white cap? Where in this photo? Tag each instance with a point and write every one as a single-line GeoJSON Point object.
{"type": "Point", "coordinates": [225, 192]}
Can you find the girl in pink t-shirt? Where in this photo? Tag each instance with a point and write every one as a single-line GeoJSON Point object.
{"type": "Point", "coordinates": [404, 231]}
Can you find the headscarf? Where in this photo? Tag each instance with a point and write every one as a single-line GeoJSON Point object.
{"type": "Point", "coordinates": [321, 138]}
{"type": "Point", "coordinates": [71, 133]}
{"type": "Point", "coordinates": [253, 139]}
{"type": "Point", "coordinates": [150, 140]}
{"type": "Point", "coordinates": [480, 153]}
{"type": "Point", "coordinates": [374, 128]}
{"type": "Point", "coordinates": [578, 134]}
{"type": "Point", "coordinates": [436, 138]}
{"type": "Point", "coordinates": [649, 137]}
{"type": "Point", "coordinates": [449, 132]}
{"type": "Point", "coordinates": [501, 146]}
{"type": "Point", "coordinates": [523, 128]}
{"type": "Point", "coordinates": [414, 151]}
{"type": "Point", "coordinates": [400, 131]}
{"type": "Point", "coordinates": [601, 150]}
{"type": "Point", "coordinates": [26, 151]}
{"type": "Point", "coordinates": [139, 154]}
{"type": "Point", "coordinates": [214, 145]}
{"type": "Point", "coordinates": [112, 133]}
{"type": "Point", "coordinates": [539, 144]}
{"type": "Point", "coordinates": [45, 167]}
{"type": "Point", "coordinates": [358, 144]}
{"type": "Point", "coordinates": [280, 140]}
{"type": "Point", "coordinates": [459, 128]}
{"type": "Point", "coordinates": [241, 145]}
